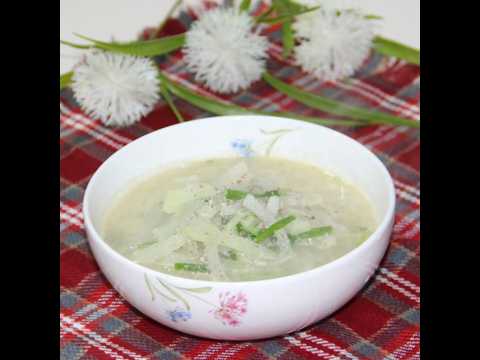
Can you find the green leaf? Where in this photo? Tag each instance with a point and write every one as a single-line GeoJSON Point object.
{"type": "Point", "coordinates": [335, 107]}
{"type": "Point", "coordinates": [221, 108]}
{"type": "Point", "coordinates": [245, 5]}
{"type": "Point", "coordinates": [142, 48]}
{"type": "Point", "coordinates": [395, 49]}
{"type": "Point", "coordinates": [169, 100]}
{"type": "Point", "coordinates": [66, 79]}
{"type": "Point", "coordinates": [269, 231]}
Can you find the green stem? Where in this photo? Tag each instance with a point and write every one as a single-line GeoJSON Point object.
{"type": "Point", "coordinates": [335, 107]}
{"type": "Point", "coordinates": [169, 100]}
{"type": "Point", "coordinates": [220, 108]}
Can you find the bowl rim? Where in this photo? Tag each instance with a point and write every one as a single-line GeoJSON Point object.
{"type": "Point", "coordinates": [381, 228]}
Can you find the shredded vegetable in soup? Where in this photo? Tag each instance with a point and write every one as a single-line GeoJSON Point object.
{"type": "Point", "coordinates": [236, 219]}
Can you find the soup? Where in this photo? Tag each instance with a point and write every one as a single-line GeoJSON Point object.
{"type": "Point", "coordinates": [232, 219]}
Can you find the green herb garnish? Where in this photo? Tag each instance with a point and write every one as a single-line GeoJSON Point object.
{"type": "Point", "coordinates": [243, 231]}
{"type": "Point", "coordinates": [268, 194]}
{"type": "Point", "coordinates": [232, 194]}
{"type": "Point", "coordinates": [312, 233]}
{"type": "Point", "coordinates": [269, 231]}
{"type": "Point", "coordinates": [191, 267]}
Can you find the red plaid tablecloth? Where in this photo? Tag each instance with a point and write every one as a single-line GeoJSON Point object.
{"type": "Point", "coordinates": [382, 322]}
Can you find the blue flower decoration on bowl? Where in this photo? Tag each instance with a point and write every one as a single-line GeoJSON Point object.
{"type": "Point", "coordinates": [179, 315]}
{"type": "Point", "coordinates": [243, 147]}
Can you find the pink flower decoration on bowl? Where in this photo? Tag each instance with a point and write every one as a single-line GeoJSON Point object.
{"type": "Point", "coordinates": [231, 308]}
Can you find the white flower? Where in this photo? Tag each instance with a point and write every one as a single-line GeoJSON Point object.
{"type": "Point", "coordinates": [332, 44]}
{"type": "Point", "coordinates": [118, 89]}
{"type": "Point", "coordinates": [224, 52]}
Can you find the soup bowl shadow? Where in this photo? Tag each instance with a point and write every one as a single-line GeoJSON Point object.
{"type": "Point", "coordinates": [244, 310]}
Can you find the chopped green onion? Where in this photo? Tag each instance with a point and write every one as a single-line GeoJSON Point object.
{"type": "Point", "coordinates": [312, 233]}
{"type": "Point", "coordinates": [268, 194]}
{"type": "Point", "coordinates": [269, 231]}
{"type": "Point", "coordinates": [231, 194]}
{"type": "Point", "coordinates": [243, 231]}
{"type": "Point", "coordinates": [191, 267]}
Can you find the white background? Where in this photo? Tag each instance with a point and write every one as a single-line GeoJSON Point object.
{"type": "Point", "coordinates": [124, 19]}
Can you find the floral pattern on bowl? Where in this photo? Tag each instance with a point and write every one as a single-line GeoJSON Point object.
{"type": "Point", "coordinates": [229, 311]}
{"type": "Point", "coordinates": [247, 148]}
{"type": "Point", "coordinates": [232, 307]}
{"type": "Point", "coordinates": [179, 314]}
{"type": "Point", "coordinates": [242, 147]}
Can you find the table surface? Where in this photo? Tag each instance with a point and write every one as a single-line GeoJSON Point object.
{"type": "Point", "coordinates": [381, 322]}
{"type": "Point", "coordinates": [123, 19]}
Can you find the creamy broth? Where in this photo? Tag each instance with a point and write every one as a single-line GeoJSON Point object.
{"type": "Point", "coordinates": [234, 219]}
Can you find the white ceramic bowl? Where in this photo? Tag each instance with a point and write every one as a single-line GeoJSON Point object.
{"type": "Point", "coordinates": [250, 309]}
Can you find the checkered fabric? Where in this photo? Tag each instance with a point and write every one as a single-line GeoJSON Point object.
{"type": "Point", "coordinates": [381, 322]}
